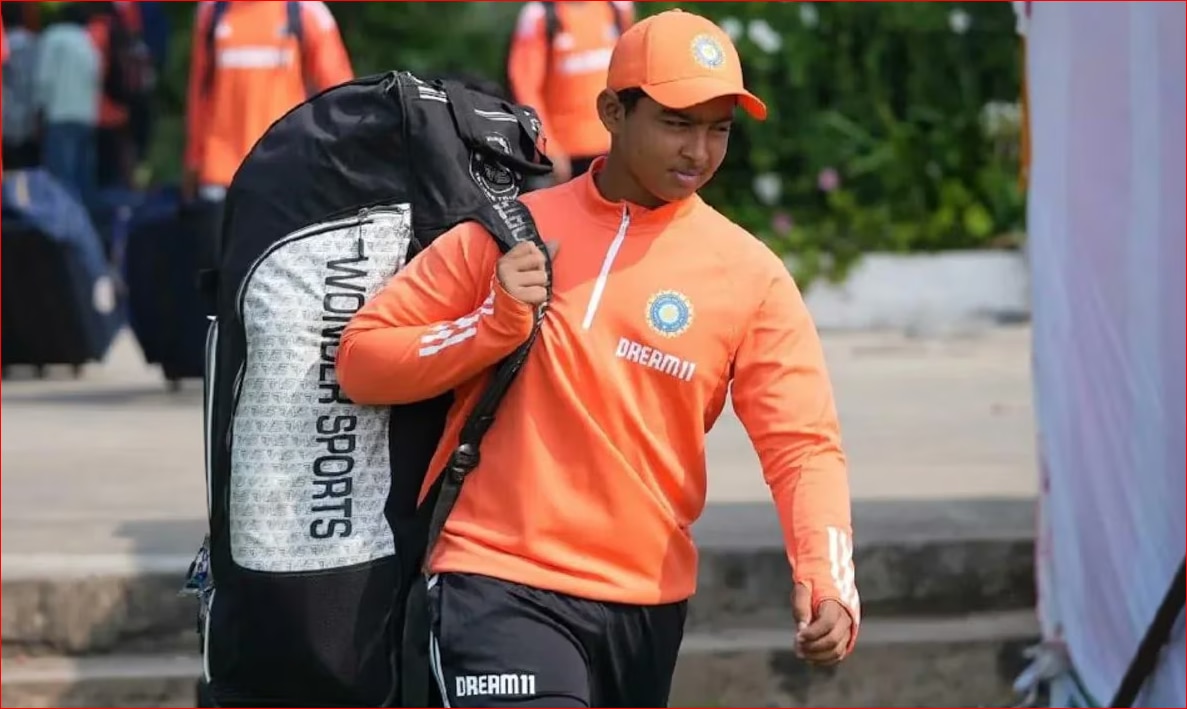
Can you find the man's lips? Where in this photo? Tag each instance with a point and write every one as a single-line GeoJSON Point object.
{"type": "Point", "coordinates": [687, 177]}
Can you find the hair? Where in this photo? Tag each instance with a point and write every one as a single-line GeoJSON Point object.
{"type": "Point", "coordinates": [13, 14]}
{"type": "Point", "coordinates": [629, 98]}
{"type": "Point", "coordinates": [79, 13]}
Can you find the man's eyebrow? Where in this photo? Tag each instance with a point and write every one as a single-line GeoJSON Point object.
{"type": "Point", "coordinates": [685, 116]}
{"type": "Point", "coordinates": [682, 115]}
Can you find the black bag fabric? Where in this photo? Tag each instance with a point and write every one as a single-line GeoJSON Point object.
{"type": "Point", "coordinates": [61, 296]}
{"type": "Point", "coordinates": [165, 307]}
{"type": "Point", "coordinates": [316, 538]}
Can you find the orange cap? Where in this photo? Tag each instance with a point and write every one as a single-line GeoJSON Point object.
{"type": "Point", "coordinates": [680, 59]}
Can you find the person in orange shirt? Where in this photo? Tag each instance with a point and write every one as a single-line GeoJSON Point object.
{"type": "Point", "coordinates": [562, 576]}
{"type": "Point", "coordinates": [562, 78]}
{"type": "Point", "coordinates": [254, 66]}
{"type": "Point", "coordinates": [113, 27]}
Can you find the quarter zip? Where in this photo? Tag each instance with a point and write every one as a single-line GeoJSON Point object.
{"type": "Point", "coordinates": [599, 288]}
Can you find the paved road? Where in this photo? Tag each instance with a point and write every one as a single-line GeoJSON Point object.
{"type": "Point", "coordinates": [112, 463]}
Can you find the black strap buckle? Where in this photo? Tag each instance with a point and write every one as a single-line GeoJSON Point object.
{"type": "Point", "coordinates": [463, 461]}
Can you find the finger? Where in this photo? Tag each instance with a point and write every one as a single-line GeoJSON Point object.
{"type": "Point", "coordinates": [825, 659]}
{"type": "Point", "coordinates": [521, 253]}
{"type": "Point", "coordinates": [820, 657]}
{"type": "Point", "coordinates": [528, 279]}
{"type": "Point", "coordinates": [520, 250]}
{"type": "Point", "coordinates": [533, 295]}
{"type": "Point", "coordinates": [833, 641]}
{"type": "Point", "coordinates": [828, 615]}
{"type": "Point", "coordinates": [801, 605]}
{"type": "Point", "coordinates": [817, 629]}
{"type": "Point", "coordinates": [524, 247]}
{"type": "Point", "coordinates": [534, 261]}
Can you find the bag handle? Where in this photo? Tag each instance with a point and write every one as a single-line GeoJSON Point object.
{"type": "Point", "coordinates": [465, 116]}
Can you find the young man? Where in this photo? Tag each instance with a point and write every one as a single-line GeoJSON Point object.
{"type": "Point", "coordinates": [562, 576]}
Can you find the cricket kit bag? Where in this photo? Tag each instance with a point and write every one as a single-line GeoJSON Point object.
{"type": "Point", "coordinates": [315, 536]}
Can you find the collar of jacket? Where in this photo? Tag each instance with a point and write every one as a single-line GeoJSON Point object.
{"type": "Point", "coordinates": [610, 213]}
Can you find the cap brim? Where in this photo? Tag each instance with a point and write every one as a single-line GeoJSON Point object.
{"type": "Point", "coordinates": [686, 93]}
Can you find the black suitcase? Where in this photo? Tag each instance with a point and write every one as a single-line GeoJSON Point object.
{"type": "Point", "coordinates": [61, 296]}
{"type": "Point", "coordinates": [161, 262]}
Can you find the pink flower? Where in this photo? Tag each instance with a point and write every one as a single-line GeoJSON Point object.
{"type": "Point", "coordinates": [782, 223]}
{"type": "Point", "coordinates": [828, 180]}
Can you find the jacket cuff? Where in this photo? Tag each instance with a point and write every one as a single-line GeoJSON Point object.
{"type": "Point", "coordinates": [511, 315]}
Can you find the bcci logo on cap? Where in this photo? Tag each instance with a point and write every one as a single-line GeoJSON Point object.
{"type": "Point", "coordinates": [669, 313]}
{"type": "Point", "coordinates": [707, 52]}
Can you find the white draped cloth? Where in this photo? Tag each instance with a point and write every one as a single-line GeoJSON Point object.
{"type": "Point", "coordinates": [1106, 243]}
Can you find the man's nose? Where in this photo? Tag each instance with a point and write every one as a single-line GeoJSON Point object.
{"type": "Point", "coordinates": [696, 148]}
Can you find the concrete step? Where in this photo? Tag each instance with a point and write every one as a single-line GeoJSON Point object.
{"type": "Point", "coordinates": [107, 681]}
{"type": "Point", "coordinates": [964, 661]}
{"type": "Point", "coordinates": [954, 661]}
{"type": "Point", "coordinates": [913, 558]}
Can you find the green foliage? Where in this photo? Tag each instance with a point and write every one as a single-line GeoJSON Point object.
{"type": "Point", "coordinates": [910, 125]}
{"type": "Point", "coordinates": [877, 138]}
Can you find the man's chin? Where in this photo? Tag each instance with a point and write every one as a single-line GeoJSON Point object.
{"type": "Point", "coordinates": [672, 192]}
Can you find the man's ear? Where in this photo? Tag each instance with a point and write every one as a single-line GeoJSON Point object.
{"type": "Point", "coordinates": [610, 111]}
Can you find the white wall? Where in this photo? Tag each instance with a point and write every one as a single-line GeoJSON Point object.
{"type": "Point", "coordinates": [924, 293]}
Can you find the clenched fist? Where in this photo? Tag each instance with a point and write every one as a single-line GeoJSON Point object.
{"type": "Point", "coordinates": [823, 636]}
{"type": "Point", "coordinates": [521, 272]}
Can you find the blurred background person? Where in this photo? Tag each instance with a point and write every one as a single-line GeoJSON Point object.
{"type": "Point", "coordinates": [251, 62]}
{"type": "Point", "coordinates": [128, 83]}
{"type": "Point", "coordinates": [21, 145]}
{"type": "Point", "coordinates": [557, 64]}
{"type": "Point", "coordinates": [67, 88]}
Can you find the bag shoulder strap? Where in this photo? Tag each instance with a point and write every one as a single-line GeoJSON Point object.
{"type": "Point", "coordinates": [295, 23]}
{"type": "Point", "coordinates": [295, 26]}
{"type": "Point", "coordinates": [552, 27]}
{"type": "Point", "coordinates": [510, 223]}
{"type": "Point", "coordinates": [552, 22]}
{"type": "Point", "coordinates": [217, 10]}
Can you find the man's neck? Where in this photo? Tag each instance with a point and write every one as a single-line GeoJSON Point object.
{"type": "Point", "coordinates": [617, 185]}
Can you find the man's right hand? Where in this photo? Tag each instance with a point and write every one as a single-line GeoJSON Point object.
{"type": "Point", "coordinates": [522, 274]}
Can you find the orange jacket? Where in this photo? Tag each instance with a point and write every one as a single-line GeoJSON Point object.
{"type": "Point", "coordinates": [260, 74]}
{"type": "Point", "coordinates": [565, 99]}
{"type": "Point", "coordinates": [594, 470]}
